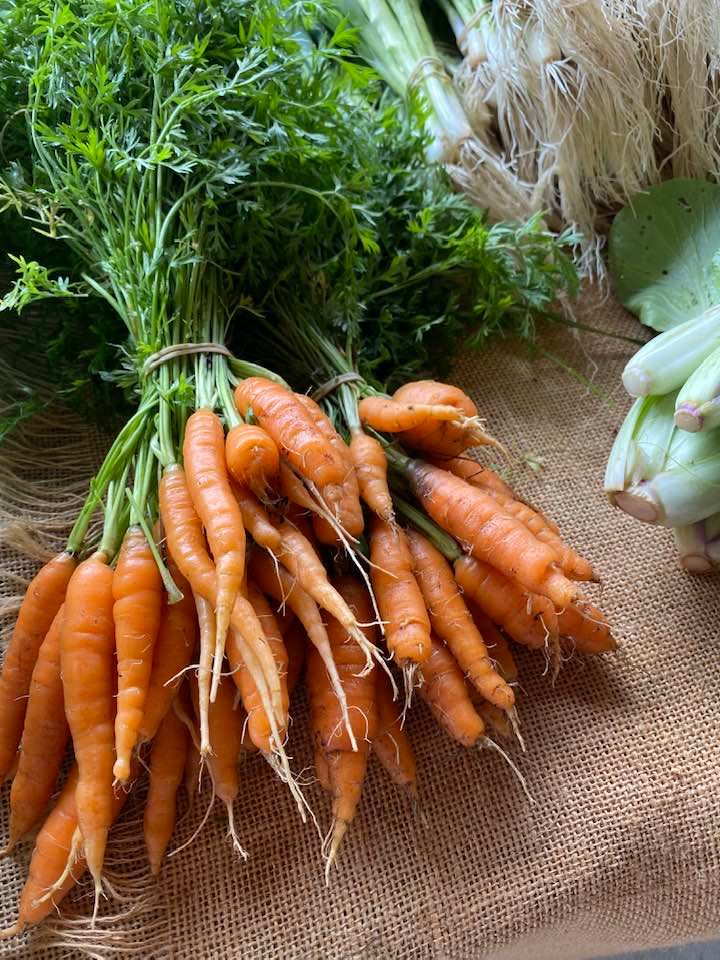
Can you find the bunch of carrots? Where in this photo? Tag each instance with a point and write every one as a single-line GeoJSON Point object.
{"type": "Point", "coordinates": [250, 549]}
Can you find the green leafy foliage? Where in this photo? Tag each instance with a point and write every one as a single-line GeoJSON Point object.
{"type": "Point", "coordinates": [665, 252]}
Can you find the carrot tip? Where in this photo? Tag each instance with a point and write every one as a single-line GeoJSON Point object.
{"type": "Point", "coordinates": [12, 931]}
{"type": "Point", "coordinates": [337, 832]}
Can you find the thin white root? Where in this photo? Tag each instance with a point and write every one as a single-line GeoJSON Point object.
{"type": "Point", "coordinates": [72, 856]}
{"type": "Point", "coordinates": [489, 742]}
{"type": "Point", "coordinates": [514, 719]}
{"type": "Point", "coordinates": [197, 830]}
{"type": "Point", "coordinates": [206, 621]}
{"type": "Point", "coordinates": [237, 846]}
{"type": "Point", "coordinates": [334, 838]}
{"type": "Point", "coordinates": [410, 675]}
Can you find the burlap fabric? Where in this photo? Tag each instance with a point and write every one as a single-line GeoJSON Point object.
{"type": "Point", "coordinates": [619, 849]}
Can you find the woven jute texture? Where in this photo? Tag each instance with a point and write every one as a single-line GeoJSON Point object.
{"type": "Point", "coordinates": [620, 848]}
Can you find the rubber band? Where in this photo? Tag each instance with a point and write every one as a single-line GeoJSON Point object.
{"type": "Point", "coordinates": [330, 385]}
{"type": "Point", "coordinates": [175, 350]}
{"type": "Point", "coordinates": [424, 68]}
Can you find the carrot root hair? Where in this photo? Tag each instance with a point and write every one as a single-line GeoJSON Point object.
{"type": "Point", "coordinates": [331, 845]}
{"type": "Point", "coordinates": [72, 856]}
{"type": "Point", "coordinates": [489, 742]}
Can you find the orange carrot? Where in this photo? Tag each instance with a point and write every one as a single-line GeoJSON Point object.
{"type": "Point", "coordinates": [259, 728]}
{"type": "Point", "coordinates": [43, 598]}
{"type": "Point", "coordinates": [321, 770]}
{"type": "Point", "coordinates": [277, 583]}
{"type": "Point", "coordinates": [255, 519]}
{"type": "Point", "coordinates": [452, 622]}
{"type": "Point", "coordinates": [346, 775]}
{"type": "Point", "coordinates": [226, 736]}
{"type": "Point", "coordinates": [448, 438]}
{"type": "Point", "coordinates": [393, 416]}
{"type": "Point", "coordinates": [204, 455]}
{"type": "Point", "coordinates": [167, 765]}
{"type": "Point", "coordinates": [474, 518]}
{"type": "Point", "coordinates": [401, 604]}
{"type": "Point", "coordinates": [587, 629]}
{"type": "Point", "coordinates": [54, 845]}
{"type": "Point", "coordinates": [370, 462]}
{"type": "Point", "coordinates": [392, 745]}
{"type": "Point", "coordinates": [473, 473]}
{"type": "Point", "coordinates": [137, 592]}
{"type": "Point", "coordinates": [444, 690]}
{"type": "Point", "coordinates": [186, 544]}
{"type": "Point", "coordinates": [87, 648]}
{"type": "Point", "coordinates": [252, 457]}
{"type": "Point", "coordinates": [496, 719]}
{"type": "Point", "coordinates": [358, 687]}
{"type": "Point", "coordinates": [507, 604]}
{"type": "Point", "coordinates": [193, 769]}
{"type": "Point", "coordinates": [176, 642]}
{"type": "Point", "coordinates": [497, 645]}
{"type": "Point", "coordinates": [44, 739]}
{"type": "Point", "coordinates": [295, 640]}
{"type": "Point", "coordinates": [297, 437]}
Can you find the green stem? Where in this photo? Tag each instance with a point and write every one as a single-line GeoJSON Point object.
{"type": "Point", "coordinates": [242, 369]}
{"type": "Point", "coordinates": [174, 595]}
{"type": "Point", "coordinates": [117, 516]}
{"type": "Point", "coordinates": [225, 394]}
{"type": "Point", "coordinates": [116, 461]}
{"type": "Point", "coordinates": [439, 539]}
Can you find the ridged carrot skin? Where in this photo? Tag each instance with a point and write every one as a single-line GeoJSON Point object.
{"type": "Point", "coordinates": [255, 519]}
{"type": "Point", "coordinates": [452, 622]}
{"type": "Point", "coordinates": [174, 649]}
{"type": "Point", "coordinates": [87, 659]}
{"type": "Point", "coordinates": [587, 628]}
{"type": "Point", "coordinates": [442, 437]}
{"type": "Point", "coordinates": [505, 603]}
{"type": "Point", "coordinates": [399, 599]}
{"type": "Point", "coordinates": [498, 646]}
{"type": "Point", "coordinates": [252, 457]}
{"type": "Point", "coordinates": [391, 744]}
{"type": "Point", "coordinates": [394, 416]}
{"type": "Point", "coordinates": [43, 598]}
{"type": "Point", "coordinates": [287, 421]}
{"type": "Point", "coordinates": [167, 767]}
{"type": "Point", "coordinates": [137, 592]}
{"type": "Point", "coordinates": [226, 737]}
{"type": "Point", "coordinates": [444, 690]}
{"type": "Point", "coordinates": [328, 728]}
{"type": "Point", "coordinates": [473, 473]}
{"type": "Point", "coordinates": [475, 519]}
{"type": "Point", "coordinates": [209, 485]}
{"type": "Point", "coordinates": [370, 462]}
{"type": "Point", "coordinates": [44, 739]}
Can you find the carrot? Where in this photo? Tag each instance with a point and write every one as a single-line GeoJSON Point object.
{"type": "Point", "coordinates": [444, 690]}
{"type": "Point", "coordinates": [167, 765]}
{"type": "Point", "coordinates": [587, 628]}
{"type": "Point", "coordinates": [299, 557]}
{"type": "Point", "coordinates": [186, 544]}
{"type": "Point", "coordinates": [176, 642]}
{"type": "Point", "coordinates": [496, 719]}
{"type": "Point", "coordinates": [392, 745]}
{"type": "Point", "coordinates": [449, 438]}
{"type": "Point", "coordinates": [277, 583]}
{"type": "Point", "coordinates": [370, 462]}
{"type": "Point", "coordinates": [401, 604]}
{"type": "Point", "coordinates": [44, 739]}
{"type": "Point", "coordinates": [87, 646]}
{"type": "Point", "coordinates": [348, 510]}
{"type": "Point", "coordinates": [43, 598]}
{"type": "Point", "coordinates": [474, 474]}
{"type": "Point", "coordinates": [252, 457]}
{"type": "Point", "coordinates": [290, 425]}
{"type": "Point", "coordinates": [295, 640]}
{"type": "Point", "coordinates": [301, 519]}
{"type": "Point", "coordinates": [255, 519]}
{"type": "Point", "coordinates": [259, 728]}
{"type": "Point", "coordinates": [137, 591]}
{"type": "Point", "coordinates": [193, 770]}
{"type": "Point", "coordinates": [346, 775]}
{"type": "Point", "coordinates": [452, 622]}
{"type": "Point", "coordinates": [474, 518]}
{"type": "Point", "coordinates": [497, 645]}
{"type": "Point", "coordinates": [321, 770]}
{"type": "Point", "coordinates": [358, 687]}
{"type": "Point", "coordinates": [392, 416]}
{"type": "Point", "coordinates": [53, 854]}
{"type": "Point", "coordinates": [226, 735]}
{"type": "Point", "coordinates": [503, 601]}
{"type": "Point", "coordinates": [204, 455]}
